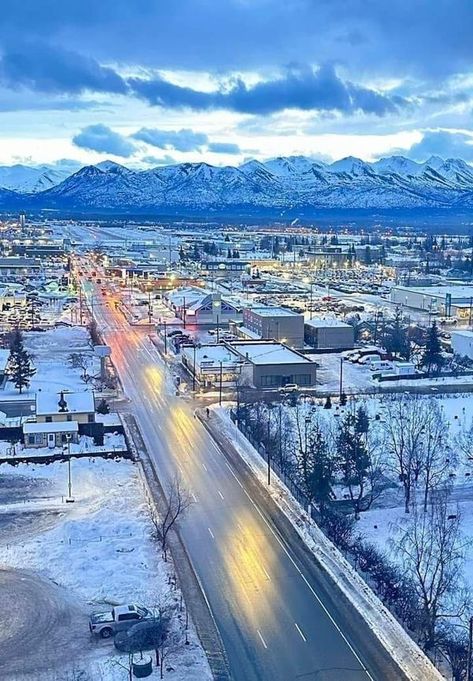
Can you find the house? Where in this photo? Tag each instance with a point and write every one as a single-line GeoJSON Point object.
{"type": "Point", "coordinates": [64, 406]}
{"type": "Point", "coordinates": [50, 435]}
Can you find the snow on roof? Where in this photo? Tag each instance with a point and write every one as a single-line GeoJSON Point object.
{"type": "Point", "coordinates": [269, 353]}
{"type": "Point", "coordinates": [4, 355]}
{"type": "Point", "coordinates": [268, 311]}
{"type": "Point", "coordinates": [57, 427]}
{"type": "Point", "coordinates": [439, 291]}
{"type": "Point", "coordinates": [325, 323]}
{"type": "Point", "coordinates": [464, 333]}
{"type": "Point", "coordinates": [48, 403]}
{"type": "Point", "coordinates": [210, 354]}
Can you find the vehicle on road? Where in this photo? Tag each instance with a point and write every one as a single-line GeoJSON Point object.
{"type": "Point", "coordinates": [120, 618]}
{"type": "Point", "coordinates": [288, 388]}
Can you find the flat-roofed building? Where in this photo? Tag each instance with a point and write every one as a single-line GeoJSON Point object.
{"type": "Point", "coordinates": [276, 323]}
{"type": "Point", "coordinates": [329, 334]}
{"type": "Point", "coordinates": [450, 300]}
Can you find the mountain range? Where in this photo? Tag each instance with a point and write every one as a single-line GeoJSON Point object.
{"type": "Point", "coordinates": [281, 184]}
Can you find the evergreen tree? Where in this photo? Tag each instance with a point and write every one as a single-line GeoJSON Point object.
{"type": "Point", "coordinates": [20, 369]}
{"type": "Point", "coordinates": [328, 403]}
{"type": "Point", "coordinates": [353, 458]}
{"type": "Point", "coordinates": [103, 407]}
{"type": "Point", "coordinates": [396, 339]}
{"type": "Point", "coordinates": [368, 258]}
{"type": "Point", "coordinates": [432, 357]}
{"type": "Point", "coordinates": [343, 399]}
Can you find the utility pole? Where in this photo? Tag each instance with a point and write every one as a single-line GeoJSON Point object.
{"type": "Point", "coordinates": [193, 372]}
{"type": "Point", "coordinates": [150, 312]}
{"type": "Point", "coordinates": [220, 384]}
{"type": "Point", "coordinates": [165, 339]}
{"type": "Point", "coordinates": [80, 302]}
{"type": "Point", "coordinates": [218, 330]}
{"type": "Point", "coordinates": [69, 498]}
{"type": "Point", "coordinates": [341, 378]}
{"type": "Point", "coordinates": [470, 642]}
{"type": "Point", "coordinates": [184, 311]}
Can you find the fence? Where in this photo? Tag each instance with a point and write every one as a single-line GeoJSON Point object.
{"type": "Point", "coordinates": [285, 478]}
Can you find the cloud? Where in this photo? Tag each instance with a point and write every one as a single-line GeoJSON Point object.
{"type": "Point", "coordinates": [54, 70]}
{"type": "Point", "coordinates": [179, 140]}
{"type": "Point", "coordinates": [223, 148]}
{"type": "Point", "coordinates": [165, 160]}
{"type": "Point", "coordinates": [299, 88]}
{"type": "Point", "coordinates": [442, 143]}
{"type": "Point", "coordinates": [104, 140]}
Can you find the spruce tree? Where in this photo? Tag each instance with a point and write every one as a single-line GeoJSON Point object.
{"type": "Point", "coordinates": [432, 357]}
{"type": "Point", "coordinates": [20, 369]}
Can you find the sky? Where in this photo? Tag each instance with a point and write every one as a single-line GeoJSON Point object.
{"type": "Point", "coordinates": [148, 83]}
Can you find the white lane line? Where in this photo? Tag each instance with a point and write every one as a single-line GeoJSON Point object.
{"type": "Point", "coordinates": [314, 593]}
{"type": "Point", "coordinates": [211, 533]}
{"type": "Point", "coordinates": [300, 632]}
{"type": "Point", "coordinates": [261, 639]}
{"type": "Point", "coordinates": [266, 573]}
{"type": "Point", "coordinates": [194, 497]}
{"type": "Point", "coordinates": [204, 466]}
{"type": "Point", "coordinates": [220, 494]}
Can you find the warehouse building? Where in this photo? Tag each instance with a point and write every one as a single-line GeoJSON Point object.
{"type": "Point", "coordinates": [329, 334]}
{"type": "Point", "coordinates": [462, 343]}
{"type": "Point", "coordinates": [275, 323]}
{"type": "Point", "coordinates": [449, 301]}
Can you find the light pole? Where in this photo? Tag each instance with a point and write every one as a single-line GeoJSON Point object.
{"type": "Point", "coordinates": [470, 641]}
{"type": "Point", "coordinates": [69, 498]}
{"type": "Point", "coordinates": [220, 384]}
{"type": "Point", "coordinates": [165, 339]}
{"type": "Point", "coordinates": [193, 371]}
{"type": "Point", "coordinates": [341, 378]}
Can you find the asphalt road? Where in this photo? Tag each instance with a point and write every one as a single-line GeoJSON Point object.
{"type": "Point", "coordinates": [273, 613]}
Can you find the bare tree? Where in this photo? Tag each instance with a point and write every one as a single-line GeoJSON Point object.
{"type": "Point", "coordinates": [433, 550]}
{"type": "Point", "coordinates": [403, 428]}
{"type": "Point", "coordinates": [169, 645]}
{"type": "Point", "coordinates": [464, 441]}
{"type": "Point", "coordinates": [80, 360]}
{"type": "Point", "coordinates": [435, 460]}
{"type": "Point", "coordinates": [176, 505]}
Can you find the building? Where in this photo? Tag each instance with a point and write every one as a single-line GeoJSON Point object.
{"type": "Point", "coordinates": [51, 435]}
{"type": "Point", "coordinates": [264, 365]}
{"type": "Point", "coordinates": [200, 306]}
{"type": "Point", "coordinates": [329, 334]}
{"type": "Point", "coordinates": [23, 268]}
{"type": "Point", "coordinates": [449, 301]}
{"type": "Point", "coordinates": [462, 343]}
{"type": "Point", "coordinates": [276, 323]}
{"type": "Point", "coordinates": [270, 365]}
{"type": "Point", "coordinates": [64, 406]}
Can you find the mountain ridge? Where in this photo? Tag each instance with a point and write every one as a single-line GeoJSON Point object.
{"type": "Point", "coordinates": [279, 184]}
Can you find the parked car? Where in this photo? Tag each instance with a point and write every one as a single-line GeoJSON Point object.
{"type": "Point", "coordinates": [288, 388]}
{"type": "Point", "coordinates": [142, 636]}
{"type": "Point", "coordinates": [176, 332]}
{"type": "Point", "coordinates": [120, 618]}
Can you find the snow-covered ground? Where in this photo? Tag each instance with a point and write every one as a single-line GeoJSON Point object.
{"type": "Point", "coordinates": [113, 442]}
{"type": "Point", "coordinates": [50, 351]}
{"type": "Point", "coordinates": [100, 549]}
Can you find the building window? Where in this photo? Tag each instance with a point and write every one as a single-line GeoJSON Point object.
{"type": "Point", "coordinates": [90, 418]}
{"type": "Point", "coordinates": [69, 417]}
{"type": "Point", "coordinates": [31, 439]}
{"type": "Point", "coordinates": [49, 419]}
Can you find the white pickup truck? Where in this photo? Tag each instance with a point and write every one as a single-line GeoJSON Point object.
{"type": "Point", "coordinates": [120, 618]}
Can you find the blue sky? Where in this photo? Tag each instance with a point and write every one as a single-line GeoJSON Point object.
{"type": "Point", "coordinates": [148, 82]}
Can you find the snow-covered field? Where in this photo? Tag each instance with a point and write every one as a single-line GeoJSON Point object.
{"type": "Point", "coordinates": [50, 351]}
{"type": "Point", "coordinates": [99, 549]}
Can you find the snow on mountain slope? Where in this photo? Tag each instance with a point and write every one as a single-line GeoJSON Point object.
{"type": "Point", "coordinates": [34, 179]}
{"type": "Point", "coordinates": [279, 183]}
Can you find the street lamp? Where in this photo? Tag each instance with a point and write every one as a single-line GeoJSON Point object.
{"type": "Point", "coordinates": [69, 498]}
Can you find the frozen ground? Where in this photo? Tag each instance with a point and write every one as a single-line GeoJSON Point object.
{"type": "Point", "coordinates": [66, 561]}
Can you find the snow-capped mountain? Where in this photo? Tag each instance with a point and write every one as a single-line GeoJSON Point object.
{"type": "Point", "coordinates": [32, 179]}
{"type": "Point", "coordinates": [279, 184]}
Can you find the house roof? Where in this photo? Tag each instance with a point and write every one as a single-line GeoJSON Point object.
{"type": "Point", "coordinates": [30, 428]}
{"type": "Point", "coordinates": [79, 403]}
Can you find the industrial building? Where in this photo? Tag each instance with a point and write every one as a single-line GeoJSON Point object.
{"type": "Point", "coordinates": [329, 334]}
{"type": "Point", "coordinates": [462, 343]}
{"type": "Point", "coordinates": [276, 323]}
{"type": "Point", "coordinates": [449, 301]}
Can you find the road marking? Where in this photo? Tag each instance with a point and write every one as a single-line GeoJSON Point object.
{"type": "Point", "coordinates": [261, 639]}
{"type": "Point", "coordinates": [220, 494]}
{"type": "Point", "coordinates": [300, 632]}
{"type": "Point", "coordinates": [194, 497]}
{"type": "Point", "coordinates": [211, 533]}
{"type": "Point", "coordinates": [204, 466]}
{"type": "Point", "coordinates": [266, 573]}
{"type": "Point", "coordinates": [304, 578]}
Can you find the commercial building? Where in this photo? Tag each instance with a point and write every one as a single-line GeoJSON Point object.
{"type": "Point", "coordinates": [264, 365]}
{"type": "Point", "coordinates": [329, 334]}
{"type": "Point", "coordinates": [449, 301]}
{"type": "Point", "coordinates": [200, 306]}
{"type": "Point", "coordinates": [276, 323]}
{"type": "Point", "coordinates": [24, 268]}
{"type": "Point", "coordinates": [462, 343]}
